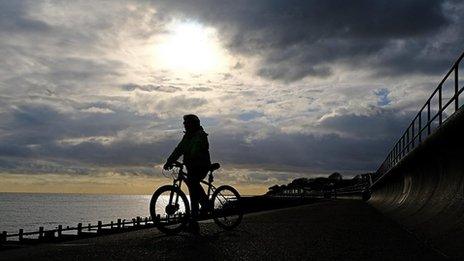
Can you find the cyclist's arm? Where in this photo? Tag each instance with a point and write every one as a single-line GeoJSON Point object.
{"type": "Point", "coordinates": [178, 151]}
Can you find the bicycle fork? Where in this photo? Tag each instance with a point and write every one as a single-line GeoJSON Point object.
{"type": "Point", "coordinates": [176, 197]}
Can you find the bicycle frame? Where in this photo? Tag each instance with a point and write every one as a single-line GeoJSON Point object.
{"type": "Point", "coordinates": [182, 176]}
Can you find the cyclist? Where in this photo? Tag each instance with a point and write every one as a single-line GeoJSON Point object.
{"type": "Point", "coordinates": [194, 147]}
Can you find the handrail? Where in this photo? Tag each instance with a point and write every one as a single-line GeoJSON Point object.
{"type": "Point", "coordinates": [409, 140]}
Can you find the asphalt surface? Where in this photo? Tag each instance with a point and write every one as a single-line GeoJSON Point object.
{"type": "Point", "coordinates": [332, 230]}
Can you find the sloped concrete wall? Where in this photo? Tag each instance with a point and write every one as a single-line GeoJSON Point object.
{"type": "Point", "coordinates": [425, 192]}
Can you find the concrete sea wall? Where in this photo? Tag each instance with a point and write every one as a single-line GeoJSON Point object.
{"type": "Point", "coordinates": [425, 191]}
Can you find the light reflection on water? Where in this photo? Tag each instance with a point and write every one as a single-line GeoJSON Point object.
{"type": "Point", "coordinates": [29, 211]}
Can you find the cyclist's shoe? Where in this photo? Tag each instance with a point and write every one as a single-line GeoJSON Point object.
{"type": "Point", "coordinates": [193, 227]}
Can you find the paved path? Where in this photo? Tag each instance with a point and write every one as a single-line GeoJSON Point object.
{"type": "Point", "coordinates": [334, 230]}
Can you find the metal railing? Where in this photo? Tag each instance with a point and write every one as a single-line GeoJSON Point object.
{"type": "Point", "coordinates": [426, 121]}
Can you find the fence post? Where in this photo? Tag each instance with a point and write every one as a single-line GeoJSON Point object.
{"type": "Point", "coordinates": [133, 222]}
{"type": "Point", "coordinates": [146, 221]}
{"type": "Point", "coordinates": [111, 225]}
{"type": "Point", "coordinates": [60, 231]}
{"type": "Point", "coordinates": [41, 233]}
{"type": "Point", "coordinates": [89, 227]}
{"type": "Point", "coordinates": [99, 227]}
{"type": "Point", "coordinates": [79, 229]}
{"type": "Point", "coordinates": [20, 234]}
{"type": "Point", "coordinates": [138, 221]}
{"type": "Point", "coordinates": [3, 237]}
{"type": "Point", "coordinates": [119, 223]}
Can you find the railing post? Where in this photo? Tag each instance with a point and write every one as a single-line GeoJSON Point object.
{"type": "Point", "coordinates": [89, 227]}
{"type": "Point", "coordinates": [41, 232]}
{"type": "Point", "coordinates": [398, 155]}
{"type": "Point", "coordinates": [420, 127]}
{"type": "Point", "coordinates": [99, 227]}
{"type": "Point", "coordinates": [20, 235]}
{"type": "Point", "coordinates": [3, 237]}
{"type": "Point", "coordinates": [138, 221]}
{"type": "Point", "coordinates": [407, 138]}
{"type": "Point", "coordinates": [79, 229]}
{"type": "Point", "coordinates": [456, 87]}
{"type": "Point", "coordinates": [440, 112]}
{"type": "Point", "coordinates": [412, 133]}
{"type": "Point", "coordinates": [402, 147]}
{"type": "Point", "coordinates": [111, 225]}
{"type": "Point", "coordinates": [60, 230]}
{"type": "Point", "coordinates": [119, 223]}
{"type": "Point", "coordinates": [428, 118]}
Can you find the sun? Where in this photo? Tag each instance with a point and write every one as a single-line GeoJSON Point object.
{"type": "Point", "coordinates": [190, 47]}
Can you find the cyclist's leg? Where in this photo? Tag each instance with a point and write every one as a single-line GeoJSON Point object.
{"type": "Point", "coordinates": [202, 197]}
{"type": "Point", "coordinates": [197, 193]}
{"type": "Point", "coordinates": [194, 196]}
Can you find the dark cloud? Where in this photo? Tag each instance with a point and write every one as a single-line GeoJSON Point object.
{"type": "Point", "coordinates": [313, 153]}
{"type": "Point", "coordinates": [14, 18]}
{"type": "Point", "coordinates": [38, 132]}
{"type": "Point", "coordinates": [35, 130]}
{"type": "Point", "coordinates": [379, 124]}
{"type": "Point", "coordinates": [305, 38]}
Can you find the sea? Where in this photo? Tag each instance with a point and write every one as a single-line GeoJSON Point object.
{"type": "Point", "coordinates": [31, 211]}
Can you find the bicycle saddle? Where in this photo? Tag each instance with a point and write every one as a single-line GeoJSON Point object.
{"type": "Point", "coordinates": [214, 166]}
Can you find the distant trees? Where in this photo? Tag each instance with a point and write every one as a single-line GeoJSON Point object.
{"type": "Point", "coordinates": [318, 185]}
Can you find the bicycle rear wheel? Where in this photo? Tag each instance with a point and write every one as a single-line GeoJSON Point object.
{"type": "Point", "coordinates": [227, 212]}
{"type": "Point", "coordinates": [169, 209]}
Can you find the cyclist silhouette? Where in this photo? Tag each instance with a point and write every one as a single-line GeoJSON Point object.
{"type": "Point", "coordinates": [194, 147]}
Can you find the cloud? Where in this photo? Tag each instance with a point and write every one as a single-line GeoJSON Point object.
{"type": "Point", "coordinates": [199, 89]}
{"type": "Point", "coordinates": [97, 110]}
{"type": "Point", "coordinates": [297, 39]}
{"type": "Point", "coordinates": [312, 87]}
{"type": "Point", "coordinates": [151, 88]}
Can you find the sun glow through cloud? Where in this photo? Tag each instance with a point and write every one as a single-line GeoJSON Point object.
{"type": "Point", "coordinates": [192, 48]}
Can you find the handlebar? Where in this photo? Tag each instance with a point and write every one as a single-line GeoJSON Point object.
{"type": "Point", "coordinates": [175, 170]}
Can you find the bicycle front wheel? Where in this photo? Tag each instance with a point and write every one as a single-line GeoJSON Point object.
{"type": "Point", "coordinates": [227, 212]}
{"type": "Point", "coordinates": [169, 209]}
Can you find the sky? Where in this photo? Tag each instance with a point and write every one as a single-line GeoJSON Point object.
{"type": "Point", "coordinates": [92, 93]}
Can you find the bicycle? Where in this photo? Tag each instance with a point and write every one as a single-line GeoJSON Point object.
{"type": "Point", "coordinates": [170, 208]}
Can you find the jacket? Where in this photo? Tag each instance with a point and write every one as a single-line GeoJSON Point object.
{"type": "Point", "coordinates": [195, 149]}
